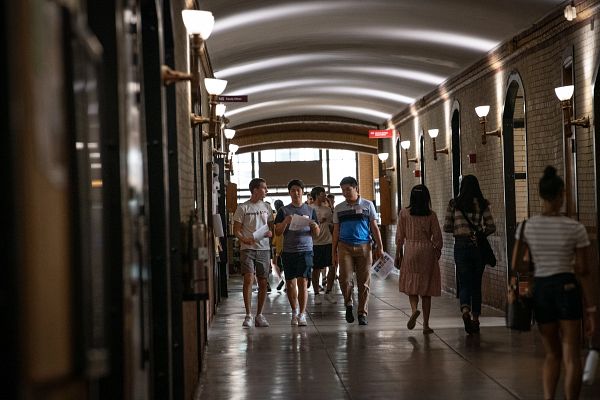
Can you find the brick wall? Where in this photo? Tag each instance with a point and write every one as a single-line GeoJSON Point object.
{"type": "Point", "coordinates": [537, 56]}
{"type": "Point", "coordinates": [365, 175]}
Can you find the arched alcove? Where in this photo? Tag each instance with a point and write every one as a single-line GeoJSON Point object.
{"type": "Point", "coordinates": [514, 132]}
{"type": "Point", "coordinates": [456, 157]}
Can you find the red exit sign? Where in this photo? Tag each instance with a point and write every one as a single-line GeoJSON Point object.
{"type": "Point", "coordinates": [381, 133]}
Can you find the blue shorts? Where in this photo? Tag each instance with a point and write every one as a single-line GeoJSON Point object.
{"type": "Point", "coordinates": [297, 265]}
{"type": "Point", "coordinates": [557, 297]}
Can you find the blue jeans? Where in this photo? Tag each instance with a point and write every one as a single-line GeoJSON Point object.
{"type": "Point", "coordinates": [470, 272]}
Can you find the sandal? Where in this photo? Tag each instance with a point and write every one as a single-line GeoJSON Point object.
{"type": "Point", "coordinates": [413, 320]}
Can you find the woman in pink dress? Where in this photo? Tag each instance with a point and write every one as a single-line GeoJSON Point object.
{"type": "Point", "coordinates": [420, 234]}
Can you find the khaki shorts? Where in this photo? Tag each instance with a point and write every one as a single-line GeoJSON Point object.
{"type": "Point", "coordinates": [256, 262]}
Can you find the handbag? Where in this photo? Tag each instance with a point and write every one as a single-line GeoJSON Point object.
{"type": "Point", "coordinates": [485, 249]}
{"type": "Point", "coordinates": [519, 308]}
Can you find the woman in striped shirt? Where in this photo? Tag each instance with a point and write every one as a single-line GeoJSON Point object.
{"type": "Point", "coordinates": [470, 205]}
{"type": "Point", "coordinates": [558, 245]}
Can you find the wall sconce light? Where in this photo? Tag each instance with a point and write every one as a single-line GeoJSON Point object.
{"type": "Point", "coordinates": [405, 144]}
{"type": "Point", "coordinates": [433, 133]}
{"type": "Point", "coordinates": [383, 158]}
{"type": "Point", "coordinates": [229, 134]}
{"type": "Point", "coordinates": [214, 87]}
{"type": "Point", "coordinates": [570, 12]}
{"type": "Point", "coordinates": [565, 94]}
{"type": "Point", "coordinates": [482, 112]}
{"type": "Point", "coordinates": [199, 24]}
{"type": "Point", "coordinates": [233, 148]}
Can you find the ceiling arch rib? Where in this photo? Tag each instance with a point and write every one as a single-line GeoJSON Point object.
{"type": "Point", "coordinates": [351, 58]}
{"type": "Point", "coordinates": [306, 132]}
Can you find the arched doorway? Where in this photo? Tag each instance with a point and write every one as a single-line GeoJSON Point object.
{"type": "Point", "coordinates": [456, 157]}
{"type": "Point", "coordinates": [514, 132]}
{"type": "Point", "coordinates": [422, 156]}
{"type": "Point", "coordinates": [594, 238]}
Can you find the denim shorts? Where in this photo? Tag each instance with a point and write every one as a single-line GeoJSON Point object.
{"type": "Point", "coordinates": [557, 297]}
{"type": "Point", "coordinates": [297, 265]}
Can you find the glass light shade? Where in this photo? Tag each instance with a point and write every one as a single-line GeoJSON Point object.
{"type": "Point", "coordinates": [433, 133]}
{"type": "Point", "coordinates": [482, 111]}
{"type": "Point", "coordinates": [215, 86]}
{"type": "Point", "coordinates": [220, 109]}
{"type": "Point", "coordinates": [383, 156]}
{"type": "Point", "coordinates": [198, 22]}
{"type": "Point", "coordinates": [405, 144]}
{"type": "Point", "coordinates": [570, 13]}
{"type": "Point", "coordinates": [564, 92]}
{"type": "Point", "coordinates": [229, 133]}
{"type": "Point", "coordinates": [233, 148]}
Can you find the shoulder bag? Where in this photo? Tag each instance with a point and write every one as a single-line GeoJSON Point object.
{"type": "Point", "coordinates": [519, 307]}
{"type": "Point", "coordinates": [485, 249]}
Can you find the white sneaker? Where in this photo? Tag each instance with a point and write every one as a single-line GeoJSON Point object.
{"type": "Point", "coordinates": [294, 319]}
{"type": "Point", "coordinates": [302, 319]}
{"type": "Point", "coordinates": [330, 297]}
{"type": "Point", "coordinates": [247, 321]}
{"type": "Point", "coordinates": [318, 299]}
{"type": "Point", "coordinates": [261, 321]}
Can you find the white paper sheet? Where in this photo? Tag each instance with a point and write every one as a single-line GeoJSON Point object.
{"type": "Point", "coordinates": [299, 222]}
{"type": "Point", "coordinates": [260, 232]}
{"type": "Point", "coordinates": [383, 266]}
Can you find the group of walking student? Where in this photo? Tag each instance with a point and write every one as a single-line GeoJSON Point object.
{"type": "Point", "coordinates": [564, 289]}
{"type": "Point", "coordinates": [314, 237]}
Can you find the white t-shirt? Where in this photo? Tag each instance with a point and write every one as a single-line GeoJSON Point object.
{"type": "Point", "coordinates": [253, 216]}
{"type": "Point", "coordinates": [323, 212]}
{"type": "Point", "coordinates": [552, 241]}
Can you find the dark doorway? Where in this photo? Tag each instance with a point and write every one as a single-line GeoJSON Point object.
{"type": "Point", "coordinates": [456, 158]}
{"type": "Point", "coordinates": [516, 193]}
{"type": "Point", "coordinates": [422, 157]}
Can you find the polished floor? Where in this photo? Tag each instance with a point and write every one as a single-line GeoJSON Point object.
{"type": "Point", "coordinates": [330, 359]}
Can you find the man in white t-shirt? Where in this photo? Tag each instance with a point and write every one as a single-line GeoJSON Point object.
{"type": "Point", "coordinates": [251, 225]}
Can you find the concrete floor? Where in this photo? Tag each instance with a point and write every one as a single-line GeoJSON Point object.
{"type": "Point", "coordinates": [330, 359]}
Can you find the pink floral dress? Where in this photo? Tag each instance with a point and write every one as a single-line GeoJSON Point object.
{"type": "Point", "coordinates": [421, 237]}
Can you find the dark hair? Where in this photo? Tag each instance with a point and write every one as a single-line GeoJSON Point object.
{"type": "Point", "coordinates": [317, 190]}
{"type": "Point", "coordinates": [551, 185]}
{"type": "Point", "coordinates": [278, 204]}
{"type": "Point", "coordinates": [349, 181]}
{"type": "Point", "coordinates": [255, 183]}
{"type": "Point", "coordinates": [420, 201]}
{"type": "Point", "coordinates": [469, 191]}
{"type": "Point", "coordinates": [330, 196]}
{"type": "Point", "coordinates": [295, 182]}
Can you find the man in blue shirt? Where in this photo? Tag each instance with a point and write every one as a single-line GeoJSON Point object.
{"type": "Point", "coordinates": [354, 221]}
{"type": "Point", "coordinates": [298, 223]}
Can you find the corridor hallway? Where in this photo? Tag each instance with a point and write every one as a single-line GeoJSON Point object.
{"type": "Point", "coordinates": [330, 359]}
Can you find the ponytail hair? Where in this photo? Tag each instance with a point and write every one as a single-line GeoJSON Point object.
{"type": "Point", "coordinates": [551, 185]}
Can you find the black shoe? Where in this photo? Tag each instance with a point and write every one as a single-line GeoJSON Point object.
{"type": "Point", "coordinates": [362, 320]}
{"type": "Point", "coordinates": [475, 326]}
{"type": "Point", "coordinates": [268, 288]}
{"type": "Point", "coordinates": [468, 323]}
{"type": "Point", "coordinates": [349, 315]}
{"type": "Point", "coordinates": [308, 284]}
{"type": "Point", "coordinates": [280, 284]}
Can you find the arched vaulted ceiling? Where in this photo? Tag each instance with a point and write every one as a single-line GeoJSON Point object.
{"type": "Point", "coordinates": [323, 72]}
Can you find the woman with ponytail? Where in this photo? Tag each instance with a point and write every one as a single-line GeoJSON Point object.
{"type": "Point", "coordinates": [559, 245]}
